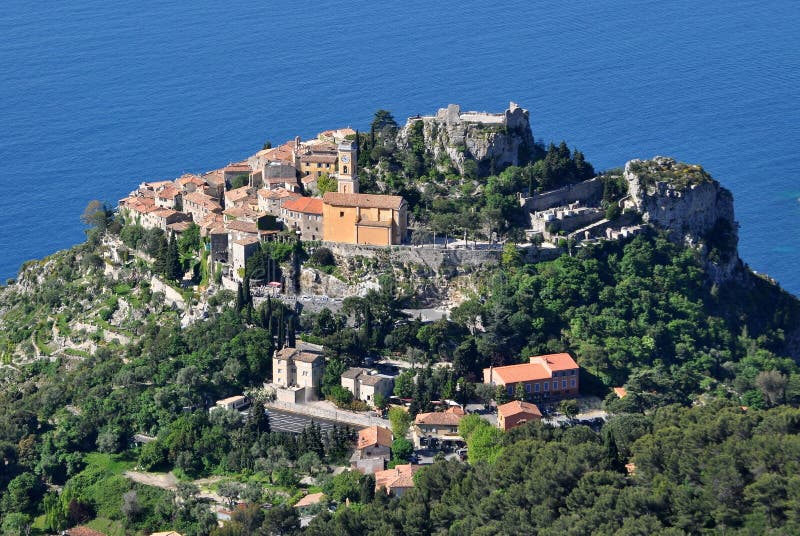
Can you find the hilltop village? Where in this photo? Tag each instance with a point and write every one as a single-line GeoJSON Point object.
{"type": "Point", "coordinates": [310, 190]}
{"type": "Point", "coordinates": [446, 327]}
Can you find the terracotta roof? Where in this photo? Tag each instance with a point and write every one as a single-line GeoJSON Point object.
{"type": "Point", "coordinates": [282, 152]}
{"type": "Point", "coordinates": [189, 179]}
{"type": "Point", "coordinates": [242, 226]}
{"type": "Point", "coordinates": [237, 194]}
{"type": "Point", "coordinates": [401, 476]}
{"type": "Point", "coordinates": [441, 418]}
{"type": "Point", "coordinates": [167, 533]}
{"type": "Point", "coordinates": [620, 392]}
{"type": "Point", "coordinates": [363, 200]}
{"type": "Point", "coordinates": [525, 372]}
{"type": "Point", "coordinates": [246, 241]}
{"type": "Point", "coordinates": [322, 158]}
{"type": "Point", "coordinates": [309, 500]}
{"type": "Point", "coordinates": [215, 177]}
{"type": "Point", "coordinates": [374, 435]}
{"type": "Point", "coordinates": [353, 373]}
{"type": "Point", "coordinates": [165, 212]}
{"type": "Point", "coordinates": [83, 531]}
{"type": "Point", "coordinates": [554, 362]}
{"type": "Point", "coordinates": [297, 355]}
{"type": "Point", "coordinates": [237, 167]}
{"type": "Point", "coordinates": [306, 205]}
{"type": "Point", "coordinates": [308, 179]}
{"type": "Point", "coordinates": [516, 407]}
{"type": "Point", "coordinates": [170, 192]}
{"type": "Point", "coordinates": [234, 398]}
{"type": "Point", "coordinates": [179, 226]}
{"type": "Point", "coordinates": [278, 193]}
{"type": "Point", "coordinates": [199, 198]}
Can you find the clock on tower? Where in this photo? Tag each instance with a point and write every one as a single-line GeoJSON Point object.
{"type": "Point", "coordinates": [347, 172]}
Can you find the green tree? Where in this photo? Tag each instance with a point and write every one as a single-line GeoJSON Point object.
{"type": "Point", "coordinates": [569, 408]}
{"type": "Point", "coordinates": [402, 449]}
{"type": "Point", "coordinates": [326, 183]}
{"type": "Point", "coordinates": [400, 421]}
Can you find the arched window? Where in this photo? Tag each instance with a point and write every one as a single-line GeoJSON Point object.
{"type": "Point", "coordinates": [344, 170]}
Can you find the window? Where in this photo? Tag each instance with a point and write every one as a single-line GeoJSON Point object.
{"type": "Point", "coordinates": [572, 383]}
{"type": "Point", "coordinates": [546, 386]}
{"type": "Point", "coordinates": [341, 214]}
{"type": "Point", "coordinates": [344, 170]}
{"type": "Point", "coordinates": [511, 389]}
{"type": "Point", "coordinates": [555, 386]}
{"type": "Point", "coordinates": [536, 387]}
{"type": "Point", "coordinates": [564, 384]}
{"type": "Point", "coordinates": [527, 388]}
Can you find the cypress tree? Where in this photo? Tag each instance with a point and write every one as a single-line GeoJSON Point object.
{"type": "Point", "coordinates": [281, 342]}
{"type": "Point", "coordinates": [160, 262]}
{"type": "Point", "coordinates": [173, 260]}
{"type": "Point", "coordinates": [248, 296]}
{"type": "Point", "coordinates": [239, 298]}
{"type": "Point", "coordinates": [290, 335]}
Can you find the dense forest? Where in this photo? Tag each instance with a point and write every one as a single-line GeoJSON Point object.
{"type": "Point", "coordinates": [709, 469]}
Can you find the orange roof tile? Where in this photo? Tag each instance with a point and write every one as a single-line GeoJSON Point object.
{"type": "Point", "coordinates": [525, 372]}
{"type": "Point", "coordinates": [554, 362]}
{"type": "Point", "coordinates": [516, 407]}
{"type": "Point", "coordinates": [83, 531]}
{"type": "Point", "coordinates": [620, 392]}
{"type": "Point", "coordinates": [401, 476]}
{"type": "Point", "coordinates": [374, 435]}
{"type": "Point", "coordinates": [306, 205]}
{"type": "Point", "coordinates": [363, 200]}
{"type": "Point", "coordinates": [442, 418]}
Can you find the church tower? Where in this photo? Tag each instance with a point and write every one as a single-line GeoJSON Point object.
{"type": "Point", "coordinates": [347, 172]}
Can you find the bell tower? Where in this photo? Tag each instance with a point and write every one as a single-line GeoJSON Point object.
{"type": "Point", "coordinates": [347, 172]}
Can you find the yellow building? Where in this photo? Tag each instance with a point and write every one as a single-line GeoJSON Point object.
{"type": "Point", "coordinates": [376, 220]}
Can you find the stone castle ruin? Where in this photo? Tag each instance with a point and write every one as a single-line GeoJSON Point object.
{"type": "Point", "coordinates": [494, 141]}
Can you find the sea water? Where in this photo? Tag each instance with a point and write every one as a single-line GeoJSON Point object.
{"type": "Point", "coordinates": [98, 96]}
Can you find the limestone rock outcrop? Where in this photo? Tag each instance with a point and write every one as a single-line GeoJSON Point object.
{"type": "Point", "coordinates": [691, 206]}
{"type": "Point", "coordinates": [494, 141]}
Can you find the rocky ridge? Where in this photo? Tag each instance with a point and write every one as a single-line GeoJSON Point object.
{"type": "Point", "coordinates": [493, 141]}
{"type": "Point", "coordinates": [692, 207]}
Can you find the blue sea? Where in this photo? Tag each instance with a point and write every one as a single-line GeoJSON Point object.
{"type": "Point", "coordinates": [96, 96]}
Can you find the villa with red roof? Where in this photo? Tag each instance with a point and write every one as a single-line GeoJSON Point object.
{"type": "Point", "coordinates": [517, 413]}
{"type": "Point", "coordinates": [545, 376]}
{"type": "Point", "coordinates": [304, 216]}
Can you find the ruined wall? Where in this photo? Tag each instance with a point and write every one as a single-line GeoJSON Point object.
{"type": "Point", "coordinates": [587, 192]}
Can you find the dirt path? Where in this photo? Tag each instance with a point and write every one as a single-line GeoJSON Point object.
{"type": "Point", "coordinates": [157, 480]}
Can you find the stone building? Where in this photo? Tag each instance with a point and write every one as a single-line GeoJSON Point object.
{"type": "Point", "coordinates": [304, 216]}
{"type": "Point", "coordinates": [297, 373]}
{"type": "Point", "coordinates": [365, 384]}
{"type": "Point", "coordinates": [200, 205]}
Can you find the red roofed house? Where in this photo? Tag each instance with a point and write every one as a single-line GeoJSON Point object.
{"type": "Point", "coordinates": [439, 425]}
{"type": "Point", "coordinates": [83, 530]}
{"type": "Point", "coordinates": [304, 215]}
{"type": "Point", "coordinates": [271, 201]}
{"type": "Point", "coordinates": [545, 376]}
{"type": "Point", "coordinates": [373, 449]}
{"type": "Point", "coordinates": [517, 413]}
{"type": "Point", "coordinates": [396, 480]}
{"type": "Point", "coordinates": [169, 197]}
{"type": "Point", "coordinates": [200, 205]}
{"type": "Point", "coordinates": [238, 197]}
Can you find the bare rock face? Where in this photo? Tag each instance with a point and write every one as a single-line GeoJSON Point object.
{"type": "Point", "coordinates": [691, 206]}
{"type": "Point", "coordinates": [494, 141]}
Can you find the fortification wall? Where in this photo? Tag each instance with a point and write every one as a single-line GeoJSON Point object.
{"type": "Point", "coordinates": [587, 192]}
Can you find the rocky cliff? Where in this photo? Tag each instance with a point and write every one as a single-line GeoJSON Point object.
{"type": "Point", "coordinates": [691, 206]}
{"type": "Point", "coordinates": [493, 141]}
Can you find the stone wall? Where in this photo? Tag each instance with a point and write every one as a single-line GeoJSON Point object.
{"type": "Point", "coordinates": [587, 192]}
